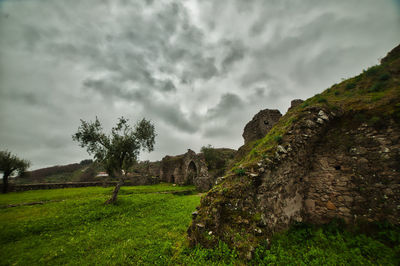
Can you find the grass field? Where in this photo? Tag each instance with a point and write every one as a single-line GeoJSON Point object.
{"type": "Point", "coordinates": [148, 226]}
{"type": "Point", "coordinates": [75, 227]}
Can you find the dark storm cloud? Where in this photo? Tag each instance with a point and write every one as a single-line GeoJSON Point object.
{"type": "Point", "coordinates": [236, 52]}
{"type": "Point", "coordinates": [170, 115]}
{"type": "Point", "coordinates": [229, 102]}
{"type": "Point", "coordinates": [199, 70]}
{"type": "Point", "coordinates": [168, 86]}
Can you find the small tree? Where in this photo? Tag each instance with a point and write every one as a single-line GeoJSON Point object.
{"type": "Point", "coordinates": [9, 165]}
{"type": "Point", "coordinates": [119, 151]}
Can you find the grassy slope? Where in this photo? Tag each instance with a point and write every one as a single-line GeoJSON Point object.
{"type": "Point", "coordinates": [141, 228]}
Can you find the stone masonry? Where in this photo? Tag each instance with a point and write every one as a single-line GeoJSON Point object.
{"type": "Point", "coordinates": [328, 166]}
{"type": "Point", "coordinates": [261, 123]}
{"type": "Point", "coordinates": [185, 169]}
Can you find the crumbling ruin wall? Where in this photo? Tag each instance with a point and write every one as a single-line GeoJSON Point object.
{"type": "Point", "coordinates": [328, 165]}
{"type": "Point", "coordinates": [294, 103]}
{"type": "Point", "coordinates": [185, 169]}
{"type": "Point", "coordinates": [338, 155]}
{"type": "Point", "coordinates": [354, 175]}
{"type": "Point", "coordinates": [261, 123]}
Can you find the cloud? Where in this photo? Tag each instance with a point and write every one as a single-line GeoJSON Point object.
{"type": "Point", "coordinates": [236, 52]}
{"type": "Point", "coordinates": [229, 102]}
{"type": "Point", "coordinates": [199, 70]}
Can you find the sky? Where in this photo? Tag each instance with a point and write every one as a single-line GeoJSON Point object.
{"type": "Point", "coordinates": [198, 69]}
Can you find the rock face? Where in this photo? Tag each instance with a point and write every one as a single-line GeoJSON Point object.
{"type": "Point", "coordinates": [185, 169]}
{"type": "Point", "coordinates": [339, 157]}
{"type": "Point", "coordinates": [261, 123]}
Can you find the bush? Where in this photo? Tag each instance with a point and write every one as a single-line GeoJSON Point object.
{"type": "Point", "coordinates": [377, 87]}
{"type": "Point", "coordinates": [372, 71]}
{"type": "Point", "coordinates": [240, 171]}
{"type": "Point", "coordinates": [304, 105]}
{"type": "Point", "coordinates": [350, 86]}
{"type": "Point", "coordinates": [384, 77]}
{"type": "Point", "coordinates": [321, 100]}
{"type": "Point", "coordinates": [278, 139]}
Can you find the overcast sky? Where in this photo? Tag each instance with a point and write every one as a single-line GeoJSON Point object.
{"type": "Point", "coordinates": [198, 69]}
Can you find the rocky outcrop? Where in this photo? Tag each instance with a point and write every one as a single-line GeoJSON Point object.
{"type": "Point", "coordinates": [338, 156]}
{"type": "Point", "coordinates": [261, 123]}
{"type": "Point", "coordinates": [185, 169]}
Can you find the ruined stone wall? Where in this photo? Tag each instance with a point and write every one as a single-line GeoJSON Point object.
{"type": "Point", "coordinates": [185, 169]}
{"type": "Point", "coordinates": [171, 169]}
{"type": "Point", "coordinates": [337, 156]}
{"type": "Point", "coordinates": [261, 123]}
{"type": "Point", "coordinates": [294, 103]}
{"type": "Point", "coordinates": [328, 166]}
{"type": "Point", "coordinates": [351, 175]}
{"type": "Point", "coordinates": [355, 176]}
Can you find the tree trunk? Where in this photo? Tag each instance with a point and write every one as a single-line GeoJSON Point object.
{"type": "Point", "coordinates": [114, 196]}
{"type": "Point", "coordinates": [5, 182]}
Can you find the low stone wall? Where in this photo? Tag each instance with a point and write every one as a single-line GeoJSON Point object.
{"type": "Point", "coordinates": [16, 188]}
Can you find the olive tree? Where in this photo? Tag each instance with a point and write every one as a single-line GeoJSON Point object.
{"type": "Point", "coordinates": [119, 150]}
{"type": "Point", "coordinates": [11, 164]}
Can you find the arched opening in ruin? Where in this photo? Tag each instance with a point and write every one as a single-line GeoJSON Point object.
{"type": "Point", "coordinates": [191, 172]}
{"type": "Point", "coordinates": [172, 179]}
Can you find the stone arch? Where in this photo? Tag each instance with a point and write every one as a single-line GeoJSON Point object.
{"type": "Point", "coordinates": [172, 179]}
{"type": "Point", "coordinates": [191, 172]}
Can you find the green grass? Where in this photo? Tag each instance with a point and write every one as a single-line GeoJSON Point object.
{"type": "Point", "coordinates": [149, 227]}
{"type": "Point", "coordinates": [79, 193]}
{"type": "Point", "coordinates": [305, 244]}
{"type": "Point", "coordinates": [331, 244]}
{"type": "Point", "coordinates": [143, 227]}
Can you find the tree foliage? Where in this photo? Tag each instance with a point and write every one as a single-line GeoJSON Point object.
{"type": "Point", "coordinates": [119, 150]}
{"type": "Point", "coordinates": [11, 164]}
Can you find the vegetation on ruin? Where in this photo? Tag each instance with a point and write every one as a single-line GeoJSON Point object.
{"type": "Point", "coordinates": [372, 97]}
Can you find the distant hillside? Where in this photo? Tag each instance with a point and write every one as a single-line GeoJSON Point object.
{"type": "Point", "coordinates": [86, 170]}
